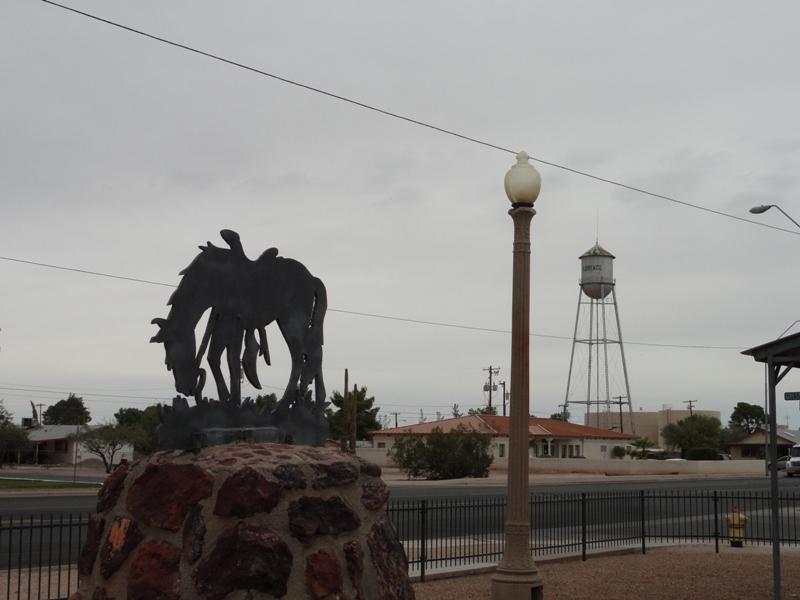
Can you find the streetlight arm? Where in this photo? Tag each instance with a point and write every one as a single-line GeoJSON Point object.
{"type": "Point", "coordinates": [787, 215]}
{"type": "Point", "coordinates": [788, 328]}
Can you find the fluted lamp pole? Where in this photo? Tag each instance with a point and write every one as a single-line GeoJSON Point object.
{"type": "Point", "coordinates": [516, 577]}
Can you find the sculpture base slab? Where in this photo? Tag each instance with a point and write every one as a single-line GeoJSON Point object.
{"type": "Point", "coordinates": [517, 585]}
{"type": "Point", "coordinates": [217, 436]}
{"type": "Point", "coordinates": [211, 423]}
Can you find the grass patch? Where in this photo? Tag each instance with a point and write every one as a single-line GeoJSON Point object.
{"type": "Point", "coordinates": [28, 484]}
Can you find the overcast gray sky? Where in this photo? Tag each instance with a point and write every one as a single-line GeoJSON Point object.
{"type": "Point", "coordinates": [120, 154]}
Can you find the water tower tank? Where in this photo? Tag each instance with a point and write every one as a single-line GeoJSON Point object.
{"type": "Point", "coordinates": [597, 272]}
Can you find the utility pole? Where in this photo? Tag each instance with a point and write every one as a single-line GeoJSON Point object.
{"type": "Point", "coordinates": [563, 408]}
{"type": "Point", "coordinates": [619, 401]}
{"type": "Point", "coordinates": [490, 386]}
{"type": "Point", "coordinates": [503, 384]}
{"type": "Point", "coordinates": [345, 409]}
{"type": "Point", "coordinates": [353, 419]}
{"type": "Point", "coordinates": [395, 419]}
{"type": "Point", "coordinates": [421, 416]}
{"type": "Point", "coordinates": [691, 404]}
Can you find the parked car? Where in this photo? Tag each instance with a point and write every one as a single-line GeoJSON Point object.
{"type": "Point", "coordinates": [793, 464]}
{"type": "Point", "coordinates": [781, 463]}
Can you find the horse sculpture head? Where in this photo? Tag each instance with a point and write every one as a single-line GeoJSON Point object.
{"type": "Point", "coordinates": [180, 351]}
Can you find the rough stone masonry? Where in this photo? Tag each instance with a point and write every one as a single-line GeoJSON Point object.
{"type": "Point", "coordinates": [244, 522]}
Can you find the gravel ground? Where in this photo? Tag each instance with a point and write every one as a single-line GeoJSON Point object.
{"type": "Point", "coordinates": [684, 573]}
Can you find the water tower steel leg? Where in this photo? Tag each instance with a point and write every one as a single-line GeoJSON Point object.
{"type": "Point", "coordinates": [605, 355]}
{"type": "Point", "coordinates": [591, 343]}
{"type": "Point", "coordinates": [597, 359]}
{"type": "Point", "coordinates": [572, 354]}
{"type": "Point", "coordinates": [624, 362]}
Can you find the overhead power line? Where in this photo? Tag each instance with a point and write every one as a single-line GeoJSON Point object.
{"type": "Point", "coordinates": [367, 314]}
{"type": "Point", "coordinates": [395, 115]}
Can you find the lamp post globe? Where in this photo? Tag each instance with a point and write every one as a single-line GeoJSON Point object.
{"type": "Point", "coordinates": [516, 576]}
{"type": "Point", "coordinates": [523, 181]}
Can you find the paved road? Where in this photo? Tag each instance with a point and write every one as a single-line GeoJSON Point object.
{"type": "Point", "coordinates": [55, 504]}
{"type": "Point", "coordinates": [405, 491]}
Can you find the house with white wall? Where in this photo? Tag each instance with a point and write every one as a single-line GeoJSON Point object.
{"type": "Point", "coordinates": [53, 444]}
{"type": "Point", "coordinates": [548, 438]}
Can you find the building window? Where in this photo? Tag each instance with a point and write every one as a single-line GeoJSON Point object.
{"type": "Point", "coordinates": [603, 448]}
{"type": "Point", "coordinates": [381, 444]}
{"type": "Point", "coordinates": [61, 446]}
{"type": "Point", "coordinates": [501, 450]}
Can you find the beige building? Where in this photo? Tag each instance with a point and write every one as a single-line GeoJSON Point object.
{"type": "Point", "coordinates": [647, 424]}
{"type": "Point", "coordinates": [548, 438]}
{"type": "Point", "coordinates": [753, 445]}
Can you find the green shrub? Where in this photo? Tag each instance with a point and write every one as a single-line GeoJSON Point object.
{"type": "Point", "coordinates": [452, 455]}
{"type": "Point", "coordinates": [618, 452]}
{"type": "Point", "coordinates": [703, 453]}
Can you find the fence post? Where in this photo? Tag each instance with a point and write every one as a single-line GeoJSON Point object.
{"type": "Point", "coordinates": [583, 526]}
{"type": "Point", "coordinates": [716, 522]}
{"type": "Point", "coordinates": [641, 511]}
{"type": "Point", "coordinates": [423, 526]}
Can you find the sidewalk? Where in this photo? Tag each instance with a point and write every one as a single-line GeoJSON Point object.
{"type": "Point", "coordinates": [395, 479]}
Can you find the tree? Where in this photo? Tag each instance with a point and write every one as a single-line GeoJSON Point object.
{"type": "Point", "coordinates": [747, 418]}
{"type": "Point", "coordinates": [642, 444]}
{"type": "Point", "coordinates": [13, 440]}
{"type": "Point", "coordinates": [71, 411]}
{"type": "Point", "coordinates": [453, 455]}
{"type": "Point", "coordinates": [106, 441]}
{"type": "Point", "coordinates": [696, 431]}
{"type": "Point", "coordinates": [456, 412]}
{"type": "Point", "coordinates": [142, 425]}
{"type": "Point", "coordinates": [561, 416]}
{"type": "Point", "coordinates": [5, 415]}
{"type": "Point", "coordinates": [483, 410]}
{"type": "Point", "coordinates": [366, 416]}
{"type": "Point", "coordinates": [266, 402]}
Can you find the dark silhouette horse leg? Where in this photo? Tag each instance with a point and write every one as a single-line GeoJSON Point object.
{"type": "Point", "coordinates": [219, 340]}
{"type": "Point", "coordinates": [292, 331]}
{"type": "Point", "coordinates": [235, 362]}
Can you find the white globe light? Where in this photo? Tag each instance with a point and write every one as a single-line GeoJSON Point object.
{"type": "Point", "coordinates": [523, 181]}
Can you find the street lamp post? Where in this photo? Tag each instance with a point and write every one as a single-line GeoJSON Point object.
{"type": "Point", "coordinates": [757, 210]}
{"type": "Point", "coordinates": [516, 577]}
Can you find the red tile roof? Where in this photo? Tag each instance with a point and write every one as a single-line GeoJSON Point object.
{"type": "Point", "coordinates": [499, 426]}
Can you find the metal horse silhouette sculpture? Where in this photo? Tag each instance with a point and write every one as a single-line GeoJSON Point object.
{"type": "Point", "coordinates": [244, 296]}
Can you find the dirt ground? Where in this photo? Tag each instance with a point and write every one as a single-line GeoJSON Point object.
{"type": "Point", "coordinates": [685, 573]}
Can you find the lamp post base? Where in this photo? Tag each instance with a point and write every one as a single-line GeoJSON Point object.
{"type": "Point", "coordinates": [517, 584]}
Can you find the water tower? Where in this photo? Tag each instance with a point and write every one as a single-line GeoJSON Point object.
{"type": "Point", "coordinates": [598, 374]}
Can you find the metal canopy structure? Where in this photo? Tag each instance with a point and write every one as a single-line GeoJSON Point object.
{"type": "Point", "coordinates": [780, 356]}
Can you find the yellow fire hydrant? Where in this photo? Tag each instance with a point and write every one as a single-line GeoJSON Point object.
{"type": "Point", "coordinates": [736, 522]}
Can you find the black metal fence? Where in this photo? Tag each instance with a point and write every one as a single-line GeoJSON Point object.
{"type": "Point", "coordinates": [453, 533]}
{"type": "Point", "coordinates": [38, 554]}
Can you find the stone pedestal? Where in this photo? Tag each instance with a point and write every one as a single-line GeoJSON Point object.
{"type": "Point", "coordinates": [244, 522]}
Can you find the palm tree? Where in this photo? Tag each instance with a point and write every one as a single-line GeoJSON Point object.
{"type": "Point", "coordinates": [642, 444]}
